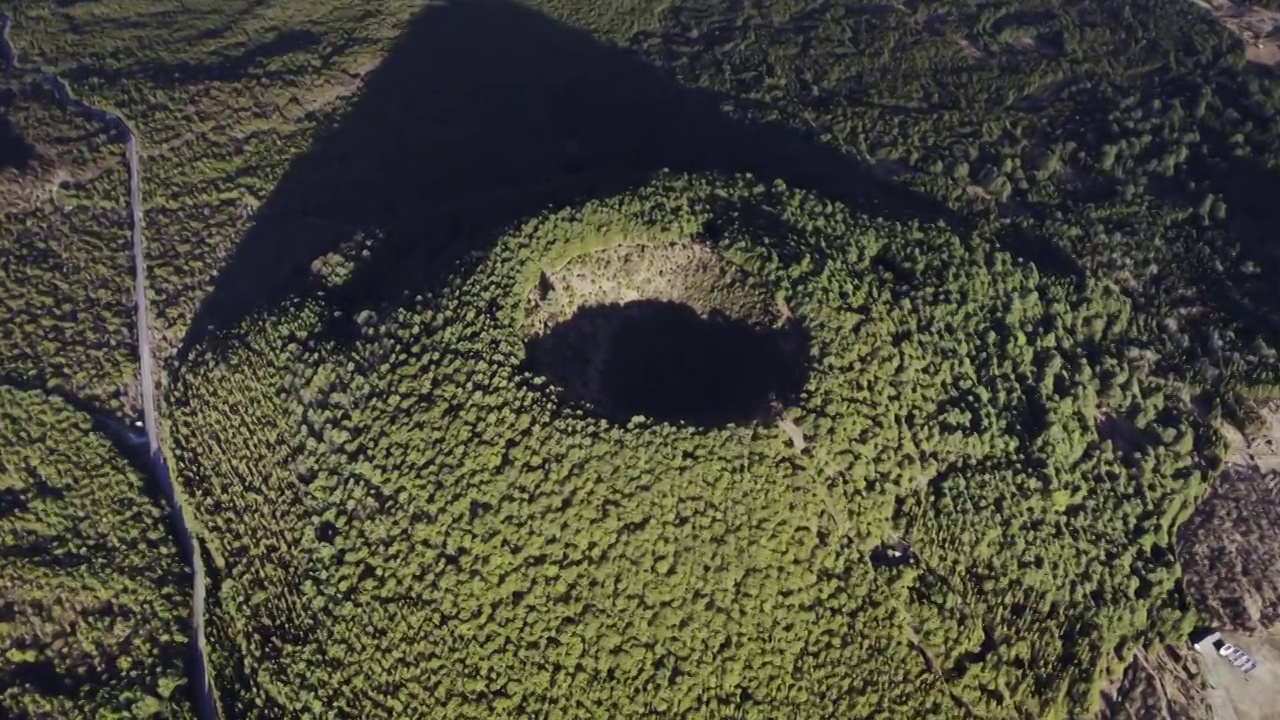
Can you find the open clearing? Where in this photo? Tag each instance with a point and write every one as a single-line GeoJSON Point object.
{"type": "Point", "coordinates": [1159, 686]}
{"type": "Point", "coordinates": [1229, 548]}
{"type": "Point", "coordinates": [1232, 695]}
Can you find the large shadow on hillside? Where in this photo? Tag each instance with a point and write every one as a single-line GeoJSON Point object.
{"type": "Point", "coordinates": [485, 113]}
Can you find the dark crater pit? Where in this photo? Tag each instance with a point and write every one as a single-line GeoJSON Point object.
{"type": "Point", "coordinates": [665, 361]}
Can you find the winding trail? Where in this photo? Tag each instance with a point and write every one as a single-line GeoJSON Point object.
{"type": "Point", "coordinates": [203, 693]}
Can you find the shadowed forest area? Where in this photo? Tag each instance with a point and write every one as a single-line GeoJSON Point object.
{"type": "Point", "coordinates": [1251, 189]}
{"type": "Point", "coordinates": [483, 114]}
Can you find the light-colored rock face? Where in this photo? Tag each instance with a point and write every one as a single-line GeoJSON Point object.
{"type": "Point", "coordinates": [690, 273]}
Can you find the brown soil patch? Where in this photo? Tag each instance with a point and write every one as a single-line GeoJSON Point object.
{"type": "Point", "coordinates": [1230, 548]}
{"type": "Point", "coordinates": [1231, 694]}
{"type": "Point", "coordinates": [1257, 447]}
{"type": "Point", "coordinates": [793, 433]}
{"type": "Point", "coordinates": [1162, 686]}
{"type": "Point", "coordinates": [1264, 53]}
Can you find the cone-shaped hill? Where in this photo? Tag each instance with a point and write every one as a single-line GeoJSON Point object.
{"type": "Point", "coordinates": [706, 449]}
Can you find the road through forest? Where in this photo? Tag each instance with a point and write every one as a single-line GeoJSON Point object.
{"type": "Point", "coordinates": [203, 693]}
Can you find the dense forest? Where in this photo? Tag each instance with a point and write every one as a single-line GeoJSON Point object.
{"type": "Point", "coordinates": [92, 594]}
{"type": "Point", "coordinates": [729, 358]}
{"type": "Point", "coordinates": [66, 276]}
{"type": "Point", "coordinates": [405, 516]}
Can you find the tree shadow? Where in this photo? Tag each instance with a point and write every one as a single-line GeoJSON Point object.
{"type": "Point", "coordinates": [15, 150]}
{"type": "Point", "coordinates": [664, 361]}
{"type": "Point", "coordinates": [1247, 289]}
{"type": "Point", "coordinates": [1044, 253]}
{"type": "Point", "coordinates": [485, 113]}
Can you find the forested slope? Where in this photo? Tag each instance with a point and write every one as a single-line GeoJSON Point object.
{"type": "Point", "coordinates": [1128, 141]}
{"type": "Point", "coordinates": [407, 518]}
{"type": "Point", "coordinates": [64, 235]}
{"type": "Point", "coordinates": [1027, 249]}
{"type": "Point", "coordinates": [92, 593]}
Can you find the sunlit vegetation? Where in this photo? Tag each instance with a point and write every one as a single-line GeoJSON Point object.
{"type": "Point", "coordinates": [92, 594]}
{"type": "Point", "coordinates": [66, 276]}
{"type": "Point", "coordinates": [406, 517]}
{"type": "Point", "coordinates": [1011, 245]}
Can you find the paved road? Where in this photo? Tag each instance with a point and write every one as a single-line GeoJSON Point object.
{"type": "Point", "coordinates": [204, 694]}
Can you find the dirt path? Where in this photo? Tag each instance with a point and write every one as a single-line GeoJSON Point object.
{"type": "Point", "coordinates": [1215, 673]}
{"type": "Point", "coordinates": [203, 692]}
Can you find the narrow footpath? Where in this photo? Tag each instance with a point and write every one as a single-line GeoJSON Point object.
{"type": "Point", "coordinates": [203, 692]}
